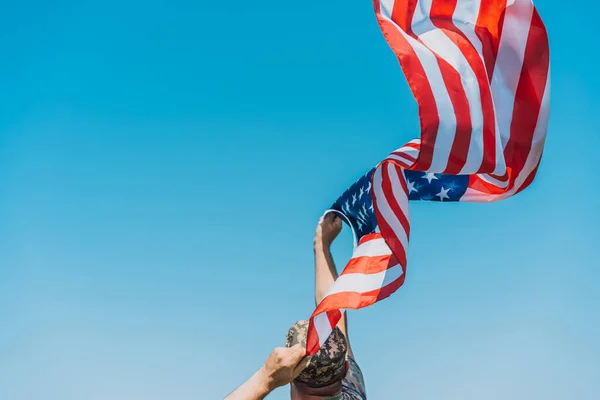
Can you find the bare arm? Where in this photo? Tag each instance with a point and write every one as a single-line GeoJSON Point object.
{"type": "Point", "coordinates": [255, 388]}
{"type": "Point", "coordinates": [283, 366]}
{"type": "Point", "coordinates": [325, 272]}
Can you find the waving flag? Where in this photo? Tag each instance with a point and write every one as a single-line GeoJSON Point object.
{"type": "Point", "coordinates": [479, 70]}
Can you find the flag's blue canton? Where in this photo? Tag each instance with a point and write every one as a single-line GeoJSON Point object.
{"type": "Point", "coordinates": [435, 187]}
{"type": "Point", "coordinates": [356, 203]}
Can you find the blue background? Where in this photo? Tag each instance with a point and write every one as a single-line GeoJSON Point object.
{"type": "Point", "coordinates": [162, 169]}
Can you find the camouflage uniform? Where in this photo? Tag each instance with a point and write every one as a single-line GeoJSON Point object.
{"type": "Point", "coordinates": [330, 364]}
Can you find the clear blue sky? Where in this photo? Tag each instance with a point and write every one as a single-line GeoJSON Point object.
{"type": "Point", "coordinates": [162, 168]}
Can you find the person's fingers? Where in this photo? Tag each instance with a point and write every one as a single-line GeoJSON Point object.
{"type": "Point", "coordinates": [319, 225]}
{"type": "Point", "coordinates": [297, 352]}
{"type": "Point", "coordinates": [301, 365]}
{"type": "Point", "coordinates": [333, 218]}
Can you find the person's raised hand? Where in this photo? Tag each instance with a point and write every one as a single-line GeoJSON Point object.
{"type": "Point", "coordinates": [327, 230]}
{"type": "Point", "coordinates": [284, 365]}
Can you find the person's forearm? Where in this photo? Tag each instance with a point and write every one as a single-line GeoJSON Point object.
{"type": "Point", "coordinates": [255, 388]}
{"type": "Point", "coordinates": [325, 272]}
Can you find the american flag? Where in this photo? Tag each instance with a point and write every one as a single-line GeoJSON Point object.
{"type": "Point", "coordinates": [480, 72]}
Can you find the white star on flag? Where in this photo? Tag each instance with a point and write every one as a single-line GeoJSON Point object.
{"type": "Point", "coordinates": [411, 186]}
{"type": "Point", "coordinates": [443, 194]}
{"type": "Point", "coordinates": [360, 224]}
{"type": "Point", "coordinates": [429, 176]}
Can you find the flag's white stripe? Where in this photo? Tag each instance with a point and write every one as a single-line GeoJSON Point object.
{"type": "Point", "coordinates": [465, 18]}
{"type": "Point", "coordinates": [500, 160]}
{"type": "Point", "coordinates": [384, 208]}
{"type": "Point", "coordinates": [362, 283]}
{"type": "Point", "coordinates": [532, 158]}
{"type": "Point", "coordinates": [403, 152]}
{"type": "Point", "coordinates": [374, 247]}
{"type": "Point", "coordinates": [386, 8]}
{"type": "Point", "coordinates": [445, 109]}
{"type": "Point", "coordinates": [476, 196]}
{"type": "Point", "coordinates": [398, 191]}
{"type": "Point", "coordinates": [322, 326]}
{"type": "Point", "coordinates": [407, 151]}
{"type": "Point", "coordinates": [509, 63]}
{"type": "Point", "coordinates": [397, 157]}
{"type": "Point", "coordinates": [414, 153]}
{"type": "Point", "coordinates": [443, 46]}
{"type": "Point", "coordinates": [494, 181]}
{"type": "Point", "coordinates": [537, 146]}
{"type": "Point", "coordinates": [411, 151]}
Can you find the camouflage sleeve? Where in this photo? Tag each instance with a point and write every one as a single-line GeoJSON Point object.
{"type": "Point", "coordinates": [353, 386]}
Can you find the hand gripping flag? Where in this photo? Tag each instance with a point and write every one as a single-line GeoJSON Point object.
{"type": "Point", "coordinates": [479, 70]}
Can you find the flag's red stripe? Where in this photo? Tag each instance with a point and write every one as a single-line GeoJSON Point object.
{"type": "Point", "coordinates": [464, 128]}
{"type": "Point", "coordinates": [413, 145]}
{"type": "Point", "coordinates": [387, 290]}
{"type": "Point", "coordinates": [441, 16]}
{"type": "Point", "coordinates": [368, 237]}
{"type": "Point", "coordinates": [475, 182]}
{"type": "Point", "coordinates": [501, 178]}
{"type": "Point", "coordinates": [386, 231]}
{"type": "Point", "coordinates": [352, 300]}
{"type": "Point", "coordinates": [530, 177]}
{"type": "Point", "coordinates": [404, 155]}
{"type": "Point", "coordinates": [370, 264]}
{"type": "Point", "coordinates": [334, 317]}
{"type": "Point", "coordinates": [400, 161]}
{"type": "Point", "coordinates": [392, 199]}
{"type": "Point", "coordinates": [403, 13]}
{"type": "Point", "coordinates": [388, 192]}
{"type": "Point", "coordinates": [489, 29]}
{"type": "Point", "coordinates": [415, 75]}
{"type": "Point", "coordinates": [312, 339]}
{"type": "Point", "coordinates": [528, 98]}
{"type": "Point", "coordinates": [356, 300]}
